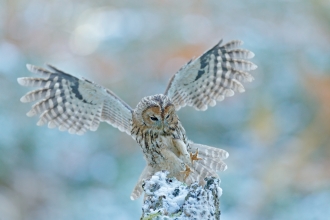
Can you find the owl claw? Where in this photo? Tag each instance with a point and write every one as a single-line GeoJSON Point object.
{"type": "Point", "coordinates": [186, 172]}
{"type": "Point", "coordinates": [194, 157]}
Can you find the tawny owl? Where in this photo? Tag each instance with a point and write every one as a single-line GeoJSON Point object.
{"type": "Point", "coordinates": [78, 105]}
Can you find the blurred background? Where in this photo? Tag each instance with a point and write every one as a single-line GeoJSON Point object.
{"type": "Point", "coordinates": [277, 132]}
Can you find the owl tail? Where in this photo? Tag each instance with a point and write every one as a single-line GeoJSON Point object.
{"type": "Point", "coordinates": [146, 174]}
{"type": "Point", "coordinates": [209, 164]}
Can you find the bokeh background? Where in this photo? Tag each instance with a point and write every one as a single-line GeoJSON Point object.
{"type": "Point", "coordinates": [277, 132]}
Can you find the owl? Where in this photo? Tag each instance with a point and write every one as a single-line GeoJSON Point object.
{"type": "Point", "coordinates": [77, 105]}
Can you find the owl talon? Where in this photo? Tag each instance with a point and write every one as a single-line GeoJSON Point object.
{"type": "Point", "coordinates": [186, 172]}
{"type": "Point", "coordinates": [194, 157]}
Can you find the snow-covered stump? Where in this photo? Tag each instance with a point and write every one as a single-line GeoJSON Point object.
{"type": "Point", "coordinates": [167, 198]}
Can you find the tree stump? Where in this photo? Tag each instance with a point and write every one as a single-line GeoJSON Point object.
{"type": "Point", "coordinates": [170, 199]}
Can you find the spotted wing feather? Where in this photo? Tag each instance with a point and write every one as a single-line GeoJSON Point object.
{"type": "Point", "coordinates": [73, 104]}
{"type": "Point", "coordinates": [211, 77]}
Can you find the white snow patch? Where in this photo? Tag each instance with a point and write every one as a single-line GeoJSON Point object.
{"type": "Point", "coordinates": [169, 197]}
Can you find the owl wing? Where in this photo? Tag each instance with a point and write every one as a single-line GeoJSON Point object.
{"type": "Point", "coordinates": [214, 75]}
{"type": "Point", "coordinates": [73, 104]}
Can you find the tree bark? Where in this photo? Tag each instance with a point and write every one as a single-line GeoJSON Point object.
{"type": "Point", "coordinates": [167, 198]}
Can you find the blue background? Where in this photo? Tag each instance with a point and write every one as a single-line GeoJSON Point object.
{"type": "Point", "coordinates": [277, 132]}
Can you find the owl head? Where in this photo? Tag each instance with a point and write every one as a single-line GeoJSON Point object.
{"type": "Point", "coordinates": [156, 112]}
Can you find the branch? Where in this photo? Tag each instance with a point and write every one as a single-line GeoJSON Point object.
{"type": "Point", "coordinates": [167, 198]}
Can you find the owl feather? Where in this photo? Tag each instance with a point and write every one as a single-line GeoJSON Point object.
{"type": "Point", "coordinates": [73, 104]}
{"type": "Point", "coordinates": [216, 74]}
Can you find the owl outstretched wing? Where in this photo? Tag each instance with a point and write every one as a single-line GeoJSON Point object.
{"type": "Point", "coordinates": [214, 75]}
{"type": "Point", "coordinates": [73, 104]}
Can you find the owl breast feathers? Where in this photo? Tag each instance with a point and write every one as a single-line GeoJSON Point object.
{"type": "Point", "coordinates": [78, 105]}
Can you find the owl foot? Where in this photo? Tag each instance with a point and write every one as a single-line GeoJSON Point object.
{"type": "Point", "coordinates": [186, 172]}
{"type": "Point", "coordinates": [194, 157]}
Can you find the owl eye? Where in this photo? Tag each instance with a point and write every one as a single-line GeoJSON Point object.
{"type": "Point", "coordinates": [167, 116]}
{"type": "Point", "coordinates": [154, 118]}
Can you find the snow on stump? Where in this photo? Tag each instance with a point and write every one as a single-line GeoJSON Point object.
{"type": "Point", "coordinates": [167, 198]}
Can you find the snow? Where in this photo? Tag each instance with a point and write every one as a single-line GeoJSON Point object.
{"type": "Point", "coordinates": [167, 198]}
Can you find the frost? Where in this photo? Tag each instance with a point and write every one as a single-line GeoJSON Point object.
{"type": "Point", "coordinates": [167, 198]}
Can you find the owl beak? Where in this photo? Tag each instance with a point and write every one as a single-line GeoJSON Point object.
{"type": "Point", "coordinates": [164, 126]}
{"type": "Point", "coordinates": [160, 126]}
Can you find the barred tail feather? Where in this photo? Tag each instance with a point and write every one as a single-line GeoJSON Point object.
{"type": "Point", "coordinates": [215, 165]}
{"type": "Point", "coordinates": [211, 160]}
{"type": "Point", "coordinates": [138, 190]}
{"type": "Point", "coordinates": [201, 171]}
{"type": "Point", "coordinates": [207, 151]}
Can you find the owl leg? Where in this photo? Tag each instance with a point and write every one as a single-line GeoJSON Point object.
{"type": "Point", "coordinates": [182, 149]}
{"type": "Point", "coordinates": [177, 167]}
